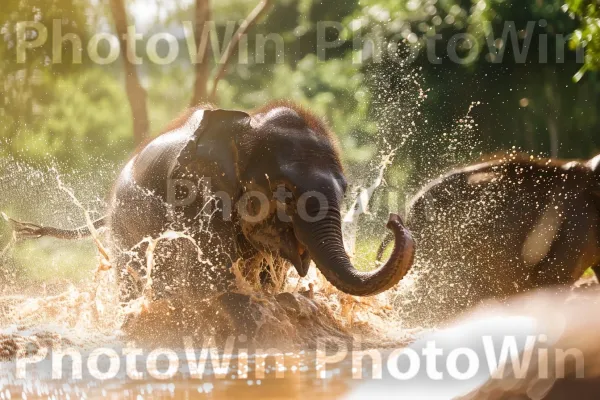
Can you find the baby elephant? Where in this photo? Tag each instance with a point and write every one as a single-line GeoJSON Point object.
{"type": "Point", "coordinates": [502, 227]}
{"type": "Point", "coordinates": [237, 186]}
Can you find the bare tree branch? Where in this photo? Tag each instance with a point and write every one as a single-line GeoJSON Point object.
{"type": "Point", "coordinates": [203, 66]}
{"type": "Point", "coordinates": [250, 20]}
{"type": "Point", "coordinates": [136, 94]}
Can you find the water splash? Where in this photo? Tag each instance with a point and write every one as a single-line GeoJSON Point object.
{"type": "Point", "coordinates": [292, 312]}
{"type": "Point", "coordinates": [360, 205]}
{"type": "Point", "coordinates": [93, 306]}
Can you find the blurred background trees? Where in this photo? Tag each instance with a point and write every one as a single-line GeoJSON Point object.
{"type": "Point", "coordinates": [588, 32]}
{"type": "Point", "coordinates": [70, 111]}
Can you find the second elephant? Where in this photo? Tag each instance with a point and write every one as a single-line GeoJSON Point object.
{"type": "Point", "coordinates": [501, 227]}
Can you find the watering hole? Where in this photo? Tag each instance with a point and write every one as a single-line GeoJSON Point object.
{"type": "Point", "coordinates": [255, 342]}
{"type": "Point", "coordinates": [63, 296]}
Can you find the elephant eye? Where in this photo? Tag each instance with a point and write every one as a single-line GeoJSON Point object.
{"type": "Point", "coordinates": [283, 193]}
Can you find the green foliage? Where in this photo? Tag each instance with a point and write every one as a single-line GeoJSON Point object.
{"type": "Point", "coordinates": [70, 13]}
{"type": "Point", "coordinates": [416, 20]}
{"type": "Point", "coordinates": [334, 90]}
{"type": "Point", "coordinates": [588, 35]}
{"type": "Point", "coordinates": [534, 106]}
{"type": "Point", "coordinates": [72, 112]}
{"type": "Point", "coordinates": [82, 117]}
{"type": "Point", "coordinates": [20, 78]}
{"type": "Point", "coordinates": [46, 261]}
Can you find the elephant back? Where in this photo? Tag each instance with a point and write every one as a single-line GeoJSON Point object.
{"type": "Point", "coordinates": [156, 162]}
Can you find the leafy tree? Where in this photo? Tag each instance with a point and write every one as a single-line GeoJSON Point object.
{"type": "Point", "coordinates": [82, 120]}
{"type": "Point", "coordinates": [531, 105]}
{"type": "Point", "coordinates": [588, 34]}
{"type": "Point", "coordinates": [28, 82]}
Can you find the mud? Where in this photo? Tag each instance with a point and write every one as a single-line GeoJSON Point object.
{"type": "Point", "coordinates": [28, 344]}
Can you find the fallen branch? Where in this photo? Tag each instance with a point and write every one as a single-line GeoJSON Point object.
{"type": "Point", "coordinates": [250, 20]}
{"type": "Point", "coordinates": [88, 221]}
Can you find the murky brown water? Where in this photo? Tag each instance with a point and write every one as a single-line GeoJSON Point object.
{"type": "Point", "coordinates": [298, 381]}
{"type": "Point", "coordinates": [563, 320]}
{"type": "Point", "coordinates": [293, 326]}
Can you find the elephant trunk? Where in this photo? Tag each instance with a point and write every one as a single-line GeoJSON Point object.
{"type": "Point", "coordinates": [323, 239]}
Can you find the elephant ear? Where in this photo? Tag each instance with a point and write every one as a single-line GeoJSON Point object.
{"type": "Point", "coordinates": [212, 150]}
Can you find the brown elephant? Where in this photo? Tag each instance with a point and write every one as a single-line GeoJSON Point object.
{"type": "Point", "coordinates": [239, 184]}
{"type": "Point", "coordinates": [501, 227]}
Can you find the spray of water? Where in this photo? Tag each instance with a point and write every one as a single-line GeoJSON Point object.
{"type": "Point", "coordinates": [91, 307]}
{"type": "Point", "coordinates": [94, 306]}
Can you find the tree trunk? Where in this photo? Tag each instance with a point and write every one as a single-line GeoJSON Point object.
{"type": "Point", "coordinates": [553, 99]}
{"type": "Point", "coordinates": [233, 44]}
{"type": "Point", "coordinates": [136, 93]}
{"type": "Point", "coordinates": [202, 64]}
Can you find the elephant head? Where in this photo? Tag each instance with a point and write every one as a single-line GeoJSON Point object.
{"type": "Point", "coordinates": [283, 159]}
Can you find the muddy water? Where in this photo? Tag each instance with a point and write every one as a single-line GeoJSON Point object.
{"type": "Point", "coordinates": [80, 310]}
{"type": "Point", "coordinates": [289, 321]}
{"type": "Point", "coordinates": [279, 336]}
{"type": "Point", "coordinates": [297, 378]}
{"type": "Point", "coordinates": [276, 360]}
{"type": "Point", "coordinates": [564, 321]}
